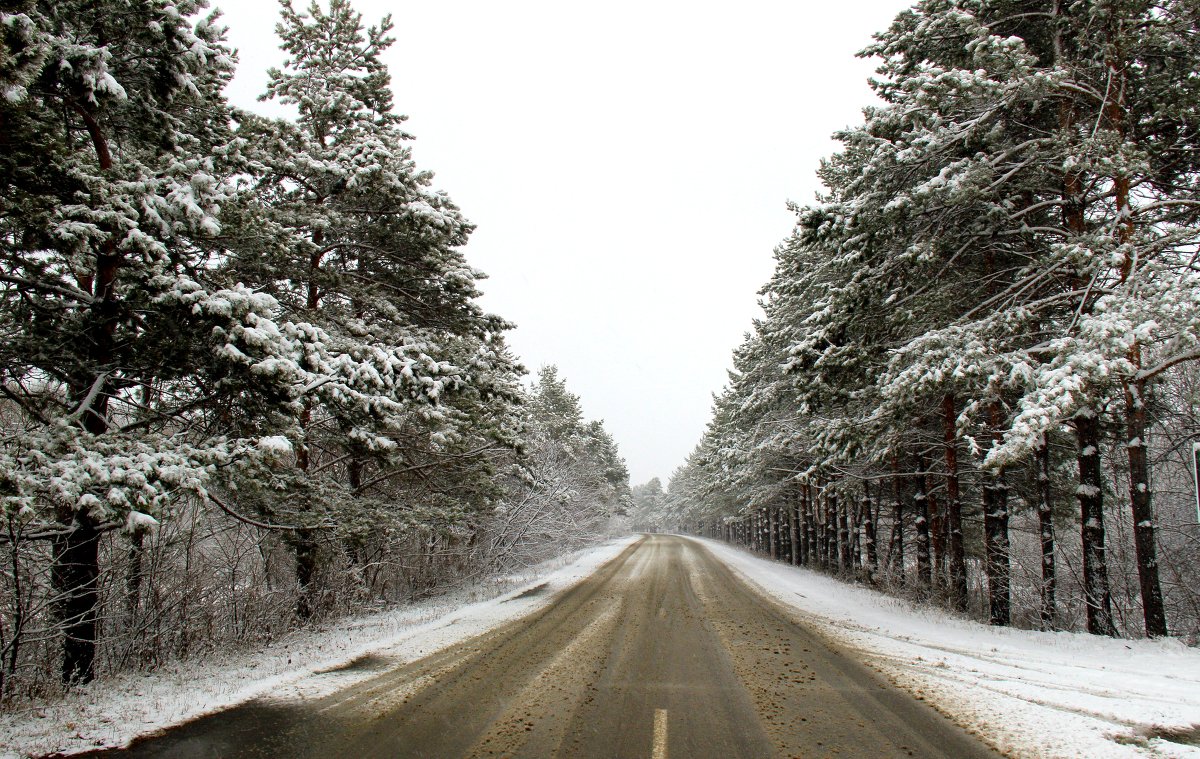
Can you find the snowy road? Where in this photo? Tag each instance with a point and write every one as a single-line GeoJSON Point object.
{"type": "Point", "coordinates": [661, 653]}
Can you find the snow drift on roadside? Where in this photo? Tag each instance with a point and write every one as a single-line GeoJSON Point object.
{"type": "Point", "coordinates": [303, 664]}
{"type": "Point", "coordinates": [1029, 693]}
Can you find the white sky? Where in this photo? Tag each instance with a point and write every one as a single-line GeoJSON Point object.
{"type": "Point", "coordinates": [627, 164]}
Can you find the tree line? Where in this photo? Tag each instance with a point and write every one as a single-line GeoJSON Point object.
{"type": "Point", "coordinates": [246, 381]}
{"type": "Point", "coordinates": [975, 376]}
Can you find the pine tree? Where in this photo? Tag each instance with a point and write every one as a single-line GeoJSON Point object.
{"type": "Point", "coordinates": [363, 247]}
{"type": "Point", "coordinates": [1000, 244]}
{"type": "Point", "coordinates": [124, 335]}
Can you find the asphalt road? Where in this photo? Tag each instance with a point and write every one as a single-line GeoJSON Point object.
{"type": "Point", "coordinates": [662, 653]}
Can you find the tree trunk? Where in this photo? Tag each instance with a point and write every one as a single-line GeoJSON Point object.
{"type": "Point", "coordinates": [772, 531]}
{"type": "Point", "coordinates": [996, 562]}
{"type": "Point", "coordinates": [1046, 532]}
{"type": "Point", "coordinates": [896, 550]}
{"type": "Point", "coordinates": [957, 559]}
{"type": "Point", "coordinates": [855, 510]}
{"type": "Point", "coordinates": [995, 535]}
{"type": "Point", "coordinates": [921, 507]}
{"type": "Point", "coordinates": [304, 545]}
{"type": "Point", "coordinates": [1153, 611]}
{"type": "Point", "coordinates": [937, 535]}
{"type": "Point", "coordinates": [770, 541]}
{"type": "Point", "coordinates": [76, 570]}
{"type": "Point", "coordinates": [816, 509]}
{"type": "Point", "coordinates": [869, 531]}
{"type": "Point", "coordinates": [831, 529]}
{"type": "Point", "coordinates": [823, 528]}
{"type": "Point", "coordinates": [1134, 390]}
{"type": "Point", "coordinates": [75, 577]}
{"type": "Point", "coordinates": [843, 531]}
{"type": "Point", "coordinates": [1097, 596]}
{"type": "Point", "coordinates": [793, 534]}
{"type": "Point", "coordinates": [810, 525]}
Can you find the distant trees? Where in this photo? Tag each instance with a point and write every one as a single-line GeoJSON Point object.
{"type": "Point", "coordinates": [648, 502]}
{"type": "Point", "coordinates": [567, 488]}
{"type": "Point", "coordinates": [1005, 256]}
{"type": "Point", "coordinates": [244, 370]}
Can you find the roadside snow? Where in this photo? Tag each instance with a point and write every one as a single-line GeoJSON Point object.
{"type": "Point", "coordinates": [1032, 694]}
{"type": "Point", "coordinates": [304, 664]}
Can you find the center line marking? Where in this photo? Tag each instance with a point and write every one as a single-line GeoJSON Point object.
{"type": "Point", "coordinates": [660, 734]}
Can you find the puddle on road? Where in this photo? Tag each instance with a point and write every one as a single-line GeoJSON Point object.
{"type": "Point", "coordinates": [363, 663]}
{"type": "Point", "coordinates": [536, 590]}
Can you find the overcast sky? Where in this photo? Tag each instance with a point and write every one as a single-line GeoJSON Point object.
{"type": "Point", "coordinates": [628, 165]}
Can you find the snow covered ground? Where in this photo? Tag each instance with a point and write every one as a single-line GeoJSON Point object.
{"type": "Point", "coordinates": [1032, 694]}
{"type": "Point", "coordinates": [304, 664]}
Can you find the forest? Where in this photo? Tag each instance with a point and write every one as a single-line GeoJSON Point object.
{"type": "Point", "coordinates": [246, 382]}
{"type": "Point", "coordinates": [975, 380]}
{"type": "Point", "coordinates": [247, 386]}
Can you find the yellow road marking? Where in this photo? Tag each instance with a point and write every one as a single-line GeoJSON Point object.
{"type": "Point", "coordinates": [660, 734]}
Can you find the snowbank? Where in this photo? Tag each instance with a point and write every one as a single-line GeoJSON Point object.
{"type": "Point", "coordinates": [304, 664]}
{"type": "Point", "coordinates": [1033, 694]}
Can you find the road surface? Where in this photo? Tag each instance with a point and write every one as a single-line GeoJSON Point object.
{"type": "Point", "coordinates": [662, 653]}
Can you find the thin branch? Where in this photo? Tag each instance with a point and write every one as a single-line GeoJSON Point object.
{"type": "Point", "coordinates": [1175, 360]}
{"type": "Point", "coordinates": [261, 525]}
{"type": "Point", "coordinates": [67, 290]}
{"type": "Point", "coordinates": [418, 467]}
{"type": "Point", "coordinates": [49, 533]}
